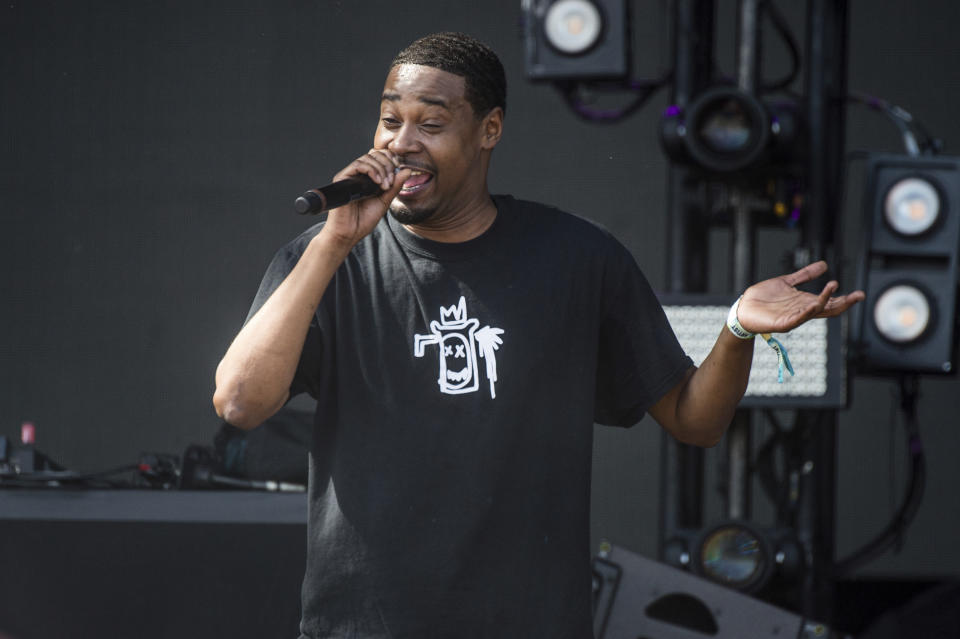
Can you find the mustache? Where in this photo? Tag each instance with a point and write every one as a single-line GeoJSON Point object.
{"type": "Point", "coordinates": [414, 164]}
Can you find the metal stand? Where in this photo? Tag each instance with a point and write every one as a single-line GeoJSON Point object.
{"type": "Point", "coordinates": [825, 85]}
{"type": "Point", "coordinates": [681, 470]}
{"type": "Point", "coordinates": [739, 435]}
{"type": "Point", "coordinates": [825, 89]}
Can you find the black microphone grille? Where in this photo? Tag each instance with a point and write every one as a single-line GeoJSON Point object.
{"type": "Point", "coordinates": [308, 203]}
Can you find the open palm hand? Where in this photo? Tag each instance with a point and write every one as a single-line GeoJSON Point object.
{"type": "Point", "coordinates": [777, 306]}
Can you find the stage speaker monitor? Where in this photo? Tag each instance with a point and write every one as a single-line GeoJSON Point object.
{"type": "Point", "coordinates": [575, 39]}
{"type": "Point", "coordinates": [638, 598]}
{"type": "Point", "coordinates": [909, 266]}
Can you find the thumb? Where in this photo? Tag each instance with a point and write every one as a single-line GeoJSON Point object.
{"type": "Point", "coordinates": [398, 179]}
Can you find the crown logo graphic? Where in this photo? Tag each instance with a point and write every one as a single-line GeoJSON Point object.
{"type": "Point", "coordinates": [453, 315]}
{"type": "Point", "coordinates": [460, 344]}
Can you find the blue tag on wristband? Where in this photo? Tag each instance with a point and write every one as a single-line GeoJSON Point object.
{"type": "Point", "coordinates": [783, 360]}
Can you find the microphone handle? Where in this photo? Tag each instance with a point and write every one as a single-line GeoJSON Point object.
{"type": "Point", "coordinates": [336, 194]}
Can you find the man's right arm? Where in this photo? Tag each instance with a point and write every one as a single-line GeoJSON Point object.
{"type": "Point", "coordinates": [253, 378]}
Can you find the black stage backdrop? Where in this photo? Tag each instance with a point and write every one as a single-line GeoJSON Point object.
{"type": "Point", "coordinates": [151, 152]}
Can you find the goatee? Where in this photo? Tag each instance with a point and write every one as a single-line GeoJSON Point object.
{"type": "Point", "coordinates": [405, 216]}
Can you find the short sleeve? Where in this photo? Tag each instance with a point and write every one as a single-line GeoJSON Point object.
{"type": "Point", "coordinates": [307, 377]}
{"type": "Point", "coordinates": [640, 359]}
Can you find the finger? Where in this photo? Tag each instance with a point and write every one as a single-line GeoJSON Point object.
{"type": "Point", "coordinates": [377, 164]}
{"type": "Point", "coordinates": [841, 303]}
{"type": "Point", "coordinates": [829, 289]}
{"type": "Point", "coordinates": [376, 169]}
{"type": "Point", "coordinates": [823, 299]}
{"type": "Point", "coordinates": [811, 306]}
{"type": "Point", "coordinates": [390, 156]}
{"type": "Point", "coordinates": [806, 274]}
{"type": "Point", "coordinates": [387, 159]}
{"type": "Point", "coordinates": [390, 162]}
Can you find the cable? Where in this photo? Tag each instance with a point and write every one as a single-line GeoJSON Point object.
{"type": "Point", "coordinates": [891, 453]}
{"type": "Point", "coordinates": [781, 488]}
{"type": "Point", "coordinates": [764, 466]}
{"type": "Point", "coordinates": [793, 48]}
{"type": "Point", "coordinates": [57, 477]}
{"type": "Point", "coordinates": [644, 89]}
{"type": "Point", "coordinates": [892, 535]}
{"type": "Point", "coordinates": [782, 28]}
{"type": "Point", "coordinates": [908, 125]}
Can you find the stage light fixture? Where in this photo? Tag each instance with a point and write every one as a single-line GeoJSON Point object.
{"type": "Point", "coordinates": [909, 265]}
{"type": "Point", "coordinates": [572, 26]}
{"type": "Point", "coordinates": [575, 39]}
{"type": "Point", "coordinates": [733, 556]}
{"type": "Point", "coordinates": [725, 130]}
{"type": "Point", "coordinates": [736, 554]}
{"type": "Point", "coordinates": [912, 207]}
{"type": "Point", "coordinates": [816, 350]}
{"type": "Point", "coordinates": [902, 313]}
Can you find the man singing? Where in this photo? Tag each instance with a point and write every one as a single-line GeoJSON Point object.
{"type": "Point", "coordinates": [460, 350]}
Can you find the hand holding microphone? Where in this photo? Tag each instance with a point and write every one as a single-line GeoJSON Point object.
{"type": "Point", "coordinates": [336, 195]}
{"type": "Point", "coordinates": [358, 187]}
{"type": "Point", "coordinates": [358, 197]}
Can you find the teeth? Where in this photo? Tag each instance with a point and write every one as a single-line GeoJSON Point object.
{"type": "Point", "coordinates": [458, 376]}
{"type": "Point", "coordinates": [413, 173]}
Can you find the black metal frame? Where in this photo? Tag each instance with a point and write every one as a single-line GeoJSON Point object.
{"type": "Point", "coordinates": [682, 473]}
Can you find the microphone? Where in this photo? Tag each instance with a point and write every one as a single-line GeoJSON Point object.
{"type": "Point", "coordinates": [336, 194]}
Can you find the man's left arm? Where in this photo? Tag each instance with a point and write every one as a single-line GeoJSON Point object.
{"type": "Point", "coordinates": [699, 408]}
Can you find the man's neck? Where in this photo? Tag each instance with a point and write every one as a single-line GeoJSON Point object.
{"type": "Point", "coordinates": [468, 223]}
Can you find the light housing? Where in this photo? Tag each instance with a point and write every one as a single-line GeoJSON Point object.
{"type": "Point", "coordinates": [902, 313]}
{"type": "Point", "coordinates": [911, 207]}
{"type": "Point", "coordinates": [726, 130]}
{"type": "Point", "coordinates": [816, 350]}
{"type": "Point", "coordinates": [575, 39]}
{"type": "Point", "coordinates": [909, 266]}
{"type": "Point", "coordinates": [736, 554]}
{"type": "Point", "coordinates": [572, 27]}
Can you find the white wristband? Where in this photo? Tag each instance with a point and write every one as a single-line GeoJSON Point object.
{"type": "Point", "coordinates": [734, 324]}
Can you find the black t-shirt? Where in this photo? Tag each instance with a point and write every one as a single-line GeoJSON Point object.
{"type": "Point", "coordinates": [457, 387]}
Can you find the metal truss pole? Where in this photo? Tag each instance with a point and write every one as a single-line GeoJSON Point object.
{"type": "Point", "coordinates": [744, 257]}
{"type": "Point", "coordinates": [681, 469]}
{"type": "Point", "coordinates": [825, 91]}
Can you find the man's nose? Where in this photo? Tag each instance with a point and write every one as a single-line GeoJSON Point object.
{"type": "Point", "coordinates": [404, 140]}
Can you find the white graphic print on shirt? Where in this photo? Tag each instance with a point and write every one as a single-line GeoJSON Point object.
{"type": "Point", "coordinates": [457, 337]}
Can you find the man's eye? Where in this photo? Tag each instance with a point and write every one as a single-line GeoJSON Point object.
{"type": "Point", "coordinates": [390, 121]}
{"type": "Point", "coordinates": [430, 125]}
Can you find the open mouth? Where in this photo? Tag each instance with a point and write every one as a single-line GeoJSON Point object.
{"type": "Point", "coordinates": [417, 181]}
{"type": "Point", "coordinates": [458, 376]}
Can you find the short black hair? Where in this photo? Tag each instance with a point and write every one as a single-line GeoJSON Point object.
{"type": "Point", "coordinates": [457, 53]}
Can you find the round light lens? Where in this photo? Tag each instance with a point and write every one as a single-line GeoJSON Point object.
{"type": "Point", "coordinates": [902, 313]}
{"type": "Point", "coordinates": [573, 26]}
{"type": "Point", "coordinates": [729, 129]}
{"type": "Point", "coordinates": [732, 556]}
{"type": "Point", "coordinates": [726, 127]}
{"type": "Point", "coordinates": [912, 206]}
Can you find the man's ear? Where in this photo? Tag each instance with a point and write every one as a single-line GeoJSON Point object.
{"type": "Point", "coordinates": [492, 128]}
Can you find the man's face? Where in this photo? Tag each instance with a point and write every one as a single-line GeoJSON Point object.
{"type": "Point", "coordinates": [426, 120]}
